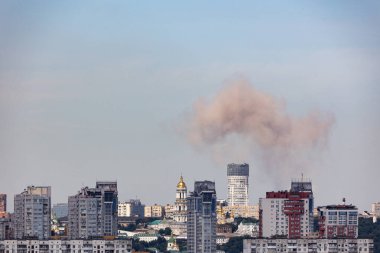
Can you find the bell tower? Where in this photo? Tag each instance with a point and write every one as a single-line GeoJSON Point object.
{"type": "Point", "coordinates": [180, 214]}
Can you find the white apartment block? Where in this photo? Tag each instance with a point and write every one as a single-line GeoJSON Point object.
{"type": "Point", "coordinates": [32, 210]}
{"type": "Point", "coordinates": [308, 245]}
{"type": "Point", "coordinates": [124, 209]}
{"type": "Point", "coordinates": [66, 246]}
{"type": "Point", "coordinates": [285, 214]}
{"type": "Point", "coordinates": [237, 176]}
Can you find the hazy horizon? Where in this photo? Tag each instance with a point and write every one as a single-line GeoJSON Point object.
{"type": "Point", "coordinates": [139, 92]}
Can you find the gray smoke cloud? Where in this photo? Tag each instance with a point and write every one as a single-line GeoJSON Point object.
{"type": "Point", "coordinates": [261, 124]}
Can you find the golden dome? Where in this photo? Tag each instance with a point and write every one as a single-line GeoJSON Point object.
{"type": "Point", "coordinates": [181, 184]}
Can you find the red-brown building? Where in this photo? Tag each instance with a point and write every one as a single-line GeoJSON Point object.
{"type": "Point", "coordinates": [285, 213]}
{"type": "Point", "coordinates": [338, 221]}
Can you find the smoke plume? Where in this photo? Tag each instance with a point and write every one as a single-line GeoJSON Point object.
{"type": "Point", "coordinates": [260, 121]}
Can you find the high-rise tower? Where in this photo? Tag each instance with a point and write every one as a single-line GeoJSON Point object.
{"type": "Point", "coordinates": [180, 212]}
{"type": "Point", "coordinates": [305, 186]}
{"type": "Point", "coordinates": [201, 218]}
{"type": "Point", "coordinates": [93, 212]}
{"type": "Point", "coordinates": [237, 175]}
{"type": "Point", "coordinates": [32, 210]}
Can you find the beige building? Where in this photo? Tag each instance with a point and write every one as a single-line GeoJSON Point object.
{"type": "Point", "coordinates": [124, 209]}
{"type": "Point", "coordinates": [226, 214]}
{"type": "Point", "coordinates": [155, 211]}
{"type": "Point", "coordinates": [169, 211]}
{"type": "Point", "coordinates": [375, 209]}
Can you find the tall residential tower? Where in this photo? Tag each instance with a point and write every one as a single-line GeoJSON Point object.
{"type": "Point", "coordinates": [237, 175]}
{"type": "Point", "coordinates": [93, 212]}
{"type": "Point", "coordinates": [201, 218]}
{"type": "Point", "coordinates": [32, 210]}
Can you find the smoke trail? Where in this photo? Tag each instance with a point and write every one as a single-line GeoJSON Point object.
{"type": "Point", "coordinates": [259, 119]}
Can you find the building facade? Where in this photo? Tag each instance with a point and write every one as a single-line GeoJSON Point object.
{"type": "Point", "coordinates": [250, 211]}
{"type": "Point", "coordinates": [6, 231]}
{"type": "Point", "coordinates": [93, 212]}
{"type": "Point", "coordinates": [32, 210]}
{"type": "Point", "coordinates": [375, 209]}
{"type": "Point", "coordinates": [66, 246]}
{"type": "Point", "coordinates": [124, 209]}
{"type": "Point", "coordinates": [237, 176]}
{"type": "Point", "coordinates": [201, 218]}
{"type": "Point", "coordinates": [180, 208]}
{"type": "Point", "coordinates": [285, 213]}
{"type": "Point", "coordinates": [305, 186]}
{"type": "Point", "coordinates": [248, 228]}
{"type": "Point", "coordinates": [338, 221]}
{"type": "Point", "coordinates": [308, 245]}
{"type": "Point", "coordinates": [3, 203]}
{"type": "Point", "coordinates": [155, 211]}
{"type": "Point", "coordinates": [131, 208]}
{"type": "Point", "coordinates": [60, 210]}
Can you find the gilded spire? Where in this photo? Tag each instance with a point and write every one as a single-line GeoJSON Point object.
{"type": "Point", "coordinates": [181, 184]}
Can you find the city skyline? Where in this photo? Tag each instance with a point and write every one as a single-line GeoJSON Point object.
{"type": "Point", "coordinates": [106, 91]}
{"type": "Point", "coordinates": [297, 184]}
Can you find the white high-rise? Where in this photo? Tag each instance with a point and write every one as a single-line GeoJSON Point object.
{"type": "Point", "coordinates": [237, 175]}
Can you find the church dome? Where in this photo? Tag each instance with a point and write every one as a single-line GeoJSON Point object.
{"type": "Point", "coordinates": [181, 184]}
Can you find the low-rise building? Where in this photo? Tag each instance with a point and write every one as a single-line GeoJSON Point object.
{"type": "Point", "coordinates": [178, 228]}
{"type": "Point", "coordinates": [248, 228]}
{"type": "Point", "coordinates": [228, 213]}
{"type": "Point", "coordinates": [65, 246]}
{"type": "Point", "coordinates": [222, 239]}
{"type": "Point", "coordinates": [223, 228]}
{"type": "Point", "coordinates": [308, 245]}
{"type": "Point", "coordinates": [146, 237]}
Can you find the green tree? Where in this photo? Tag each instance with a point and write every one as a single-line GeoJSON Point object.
{"type": "Point", "coordinates": [166, 231]}
{"type": "Point", "coordinates": [368, 229]}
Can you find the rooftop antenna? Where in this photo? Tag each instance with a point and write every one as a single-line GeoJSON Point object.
{"type": "Point", "coordinates": [302, 177]}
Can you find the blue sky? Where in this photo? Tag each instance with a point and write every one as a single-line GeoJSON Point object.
{"type": "Point", "coordinates": [97, 90]}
